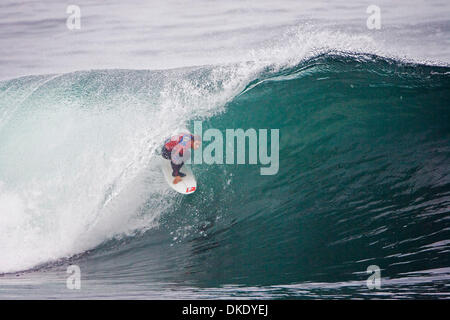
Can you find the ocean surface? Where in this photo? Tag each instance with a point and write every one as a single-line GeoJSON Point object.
{"type": "Point", "coordinates": [364, 149]}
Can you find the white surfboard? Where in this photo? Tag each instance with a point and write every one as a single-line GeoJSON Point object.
{"type": "Point", "coordinates": [187, 185]}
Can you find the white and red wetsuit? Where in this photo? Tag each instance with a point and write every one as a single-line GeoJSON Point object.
{"type": "Point", "coordinates": [177, 149]}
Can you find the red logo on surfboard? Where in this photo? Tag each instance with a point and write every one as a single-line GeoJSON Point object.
{"type": "Point", "coordinates": [191, 189]}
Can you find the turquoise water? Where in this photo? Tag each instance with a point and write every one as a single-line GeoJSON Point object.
{"type": "Point", "coordinates": [363, 180]}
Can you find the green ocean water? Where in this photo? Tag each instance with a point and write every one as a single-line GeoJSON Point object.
{"type": "Point", "coordinates": [363, 180]}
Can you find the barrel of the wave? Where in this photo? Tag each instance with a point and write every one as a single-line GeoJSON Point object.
{"type": "Point", "coordinates": [175, 150]}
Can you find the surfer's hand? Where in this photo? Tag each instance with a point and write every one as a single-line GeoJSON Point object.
{"type": "Point", "coordinates": [176, 180]}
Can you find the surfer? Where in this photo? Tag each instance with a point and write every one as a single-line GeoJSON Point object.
{"type": "Point", "coordinates": [176, 149]}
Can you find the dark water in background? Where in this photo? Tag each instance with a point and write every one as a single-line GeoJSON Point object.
{"type": "Point", "coordinates": [363, 180]}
